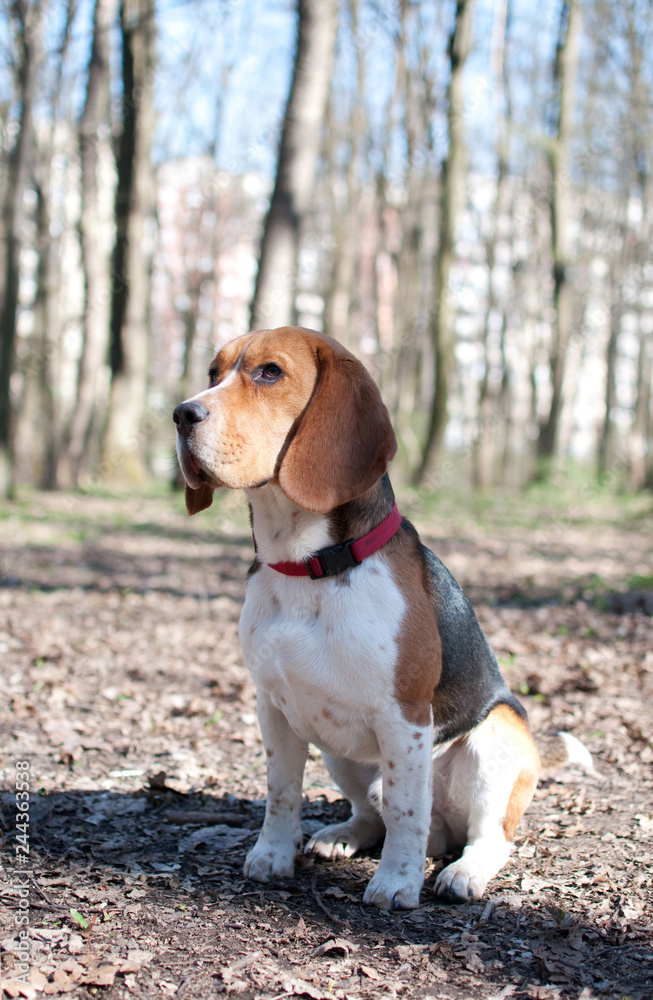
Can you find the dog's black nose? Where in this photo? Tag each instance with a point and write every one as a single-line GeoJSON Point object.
{"type": "Point", "coordinates": [187, 414]}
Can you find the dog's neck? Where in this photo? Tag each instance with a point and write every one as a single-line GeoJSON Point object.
{"type": "Point", "coordinates": [285, 532]}
{"type": "Point", "coordinates": [282, 530]}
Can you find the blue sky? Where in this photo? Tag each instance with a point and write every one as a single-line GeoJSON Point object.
{"type": "Point", "coordinates": [256, 38]}
{"type": "Point", "coordinates": [249, 45]}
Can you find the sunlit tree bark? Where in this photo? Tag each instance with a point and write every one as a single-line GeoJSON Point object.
{"type": "Point", "coordinates": [454, 170]}
{"type": "Point", "coordinates": [41, 387]}
{"type": "Point", "coordinates": [483, 447]}
{"type": "Point", "coordinates": [96, 233]}
{"type": "Point", "coordinates": [299, 151]}
{"type": "Point", "coordinates": [346, 222]}
{"type": "Point", "coordinates": [29, 19]}
{"type": "Point", "coordinates": [126, 434]}
{"type": "Point", "coordinates": [561, 210]}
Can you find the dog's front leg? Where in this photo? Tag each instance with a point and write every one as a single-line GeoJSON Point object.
{"type": "Point", "coordinates": [280, 840]}
{"type": "Point", "coordinates": [406, 810]}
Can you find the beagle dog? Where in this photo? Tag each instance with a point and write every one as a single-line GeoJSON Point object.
{"type": "Point", "coordinates": [357, 637]}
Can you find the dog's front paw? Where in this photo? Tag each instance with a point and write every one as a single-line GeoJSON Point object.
{"type": "Point", "coordinates": [394, 890]}
{"type": "Point", "coordinates": [461, 882]}
{"type": "Point", "coordinates": [342, 840]}
{"type": "Point", "coordinates": [268, 861]}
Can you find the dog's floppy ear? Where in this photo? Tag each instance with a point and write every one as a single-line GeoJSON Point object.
{"type": "Point", "coordinates": [344, 440]}
{"type": "Point", "coordinates": [199, 499]}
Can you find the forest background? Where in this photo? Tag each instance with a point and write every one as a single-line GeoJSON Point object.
{"type": "Point", "coordinates": [460, 192]}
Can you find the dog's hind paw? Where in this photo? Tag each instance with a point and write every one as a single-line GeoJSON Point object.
{"type": "Point", "coordinates": [342, 840]}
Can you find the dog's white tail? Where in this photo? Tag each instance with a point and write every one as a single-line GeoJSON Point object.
{"type": "Point", "coordinates": [563, 748]}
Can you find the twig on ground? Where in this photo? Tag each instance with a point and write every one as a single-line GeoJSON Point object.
{"type": "Point", "coordinates": [207, 818]}
{"type": "Point", "coordinates": [320, 903]}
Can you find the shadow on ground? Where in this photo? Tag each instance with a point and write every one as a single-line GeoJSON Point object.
{"type": "Point", "coordinates": [126, 863]}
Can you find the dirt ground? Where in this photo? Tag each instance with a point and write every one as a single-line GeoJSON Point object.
{"type": "Point", "coordinates": [124, 690]}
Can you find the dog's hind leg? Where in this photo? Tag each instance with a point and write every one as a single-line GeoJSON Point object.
{"type": "Point", "coordinates": [492, 778]}
{"type": "Point", "coordinates": [365, 827]}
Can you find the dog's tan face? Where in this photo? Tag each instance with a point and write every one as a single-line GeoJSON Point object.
{"type": "Point", "coordinates": [288, 405]}
{"type": "Point", "coordinates": [259, 387]}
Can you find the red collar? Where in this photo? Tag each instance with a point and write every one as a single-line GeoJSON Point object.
{"type": "Point", "coordinates": [337, 558]}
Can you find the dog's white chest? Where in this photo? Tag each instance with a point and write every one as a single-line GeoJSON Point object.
{"type": "Point", "coordinates": [325, 652]}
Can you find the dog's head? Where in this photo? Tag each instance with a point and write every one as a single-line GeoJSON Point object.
{"type": "Point", "coordinates": [290, 406]}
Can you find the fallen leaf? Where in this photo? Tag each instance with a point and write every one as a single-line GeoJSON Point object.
{"type": "Point", "coordinates": [240, 964]}
{"type": "Point", "coordinates": [336, 944]}
{"type": "Point", "coordinates": [135, 960]}
{"type": "Point", "coordinates": [473, 962]}
{"type": "Point", "coordinates": [299, 988]}
{"type": "Point", "coordinates": [102, 976]}
{"type": "Point", "coordinates": [16, 988]}
{"type": "Point", "coordinates": [73, 967]}
{"type": "Point", "coordinates": [75, 944]}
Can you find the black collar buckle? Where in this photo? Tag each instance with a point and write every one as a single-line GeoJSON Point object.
{"type": "Point", "coordinates": [333, 560]}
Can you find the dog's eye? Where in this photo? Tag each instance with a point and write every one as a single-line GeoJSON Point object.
{"type": "Point", "coordinates": [213, 377]}
{"type": "Point", "coordinates": [267, 373]}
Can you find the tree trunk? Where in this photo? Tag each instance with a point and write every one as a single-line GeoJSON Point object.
{"type": "Point", "coordinates": [566, 66]}
{"type": "Point", "coordinates": [639, 438]}
{"type": "Point", "coordinates": [125, 440]}
{"type": "Point", "coordinates": [96, 234]}
{"type": "Point", "coordinates": [338, 300]}
{"type": "Point", "coordinates": [605, 441]}
{"type": "Point", "coordinates": [452, 193]}
{"type": "Point", "coordinates": [399, 369]}
{"type": "Point", "coordinates": [640, 441]}
{"type": "Point", "coordinates": [274, 295]}
{"type": "Point", "coordinates": [483, 445]}
{"type": "Point", "coordinates": [46, 328]}
{"type": "Point", "coordinates": [30, 19]}
{"type": "Point", "coordinates": [188, 380]}
{"type": "Point", "coordinates": [39, 403]}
